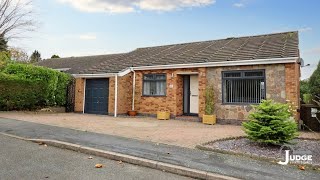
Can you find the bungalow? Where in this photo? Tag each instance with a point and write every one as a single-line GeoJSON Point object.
{"type": "Point", "coordinates": [243, 70]}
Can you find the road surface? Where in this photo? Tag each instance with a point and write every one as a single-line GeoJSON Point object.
{"type": "Point", "coordinates": [26, 160]}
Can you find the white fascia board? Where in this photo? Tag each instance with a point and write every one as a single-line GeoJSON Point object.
{"type": "Point", "coordinates": [124, 72]}
{"type": "Point", "coordinates": [223, 63]}
{"type": "Point", "coordinates": [105, 75]}
{"type": "Point", "coordinates": [195, 65]}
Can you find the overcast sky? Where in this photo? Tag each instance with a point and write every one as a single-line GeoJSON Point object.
{"type": "Point", "coordinates": [90, 27]}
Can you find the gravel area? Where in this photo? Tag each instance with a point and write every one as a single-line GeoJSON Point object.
{"type": "Point", "coordinates": [245, 146]}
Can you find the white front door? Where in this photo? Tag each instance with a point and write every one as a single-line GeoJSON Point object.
{"type": "Point", "coordinates": [194, 94]}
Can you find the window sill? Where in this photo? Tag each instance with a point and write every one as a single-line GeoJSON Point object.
{"type": "Point", "coordinates": [240, 104]}
{"type": "Point", "coordinates": [154, 96]}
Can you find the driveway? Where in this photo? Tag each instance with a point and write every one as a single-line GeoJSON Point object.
{"type": "Point", "coordinates": [172, 132]}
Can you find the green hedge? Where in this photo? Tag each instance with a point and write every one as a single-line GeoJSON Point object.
{"type": "Point", "coordinates": [61, 90]}
{"type": "Point", "coordinates": [314, 81]}
{"type": "Point", "coordinates": [25, 86]}
{"type": "Point", "coordinates": [17, 93]}
{"type": "Point", "coordinates": [4, 59]}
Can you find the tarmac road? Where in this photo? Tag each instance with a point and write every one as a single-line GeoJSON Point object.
{"type": "Point", "coordinates": [26, 160]}
{"type": "Point", "coordinates": [224, 164]}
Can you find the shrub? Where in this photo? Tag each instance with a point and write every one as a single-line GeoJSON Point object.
{"type": "Point", "coordinates": [61, 90]}
{"type": "Point", "coordinates": [209, 106]}
{"type": "Point", "coordinates": [4, 59]}
{"type": "Point", "coordinates": [17, 93]}
{"type": "Point", "coordinates": [314, 81]}
{"type": "Point", "coordinates": [271, 123]}
{"type": "Point", "coordinates": [304, 87]}
{"type": "Point", "coordinates": [25, 86]}
{"type": "Point", "coordinates": [307, 98]}
{"type": "Point", "coordinates": [45, 76]}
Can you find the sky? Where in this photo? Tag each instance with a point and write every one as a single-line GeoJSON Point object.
{"type": "Point", "coordinates": [92, 27]}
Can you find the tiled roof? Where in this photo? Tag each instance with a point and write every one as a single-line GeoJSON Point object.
{"type": "Point", "coordinates": [78, 64]}
{"type": "Point", "coordinates": [278, 45]}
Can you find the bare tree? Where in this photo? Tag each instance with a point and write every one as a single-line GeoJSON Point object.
{"type": "Point", "coordinates": [18, 54]}
{"type": "Point", "coordinates": [16, 17]}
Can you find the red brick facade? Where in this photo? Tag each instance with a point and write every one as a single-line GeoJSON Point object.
{"type": "Point", "coordinates": [292, 80]}
{"type": "Point", "coordinates": [124, 94]}
{"type": "Point", "coordinates": [79, 95]}
{"type": "Point", "coordinates": [173, 101]}
{"type": "Point", "coordinates": [289, 74]}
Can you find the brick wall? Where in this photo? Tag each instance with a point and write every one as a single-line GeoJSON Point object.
{"type": "Point", "coordinates": [79, 93]}
{"type": "Point", "coordinates": [202, 90]}
{"type": "Point", "coordinates": [173, 101]}
{"type": "Point", "coordinates": [124, 94]}
{"type": "Point", "coordinates": [282, 83]}
{"type": "Point", "coordinates": [292, 79]}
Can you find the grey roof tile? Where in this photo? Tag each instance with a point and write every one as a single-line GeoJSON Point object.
{"type": "Point", "coordinates": [277, 45]}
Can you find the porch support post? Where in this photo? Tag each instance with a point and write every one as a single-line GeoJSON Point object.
{"type": "Point", "coordinates": [133, 88]}
{"type": "Point", "coordinates": [115, 95]}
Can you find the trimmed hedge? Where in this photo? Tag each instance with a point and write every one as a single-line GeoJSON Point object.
{"type": "Point", "coordinates": [61, 90]}
{"type": "Point", "coordinates": [25, 86]}
{"type": "Point", "coordinates": [17, 93]}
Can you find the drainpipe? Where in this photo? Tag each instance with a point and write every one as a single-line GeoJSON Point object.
{"type": "Point", "coordinates": [84, 94]}
{"type": "Point", "coordinates": [133, 87]}
{"type": "Point", "coordinates": [115, 95]}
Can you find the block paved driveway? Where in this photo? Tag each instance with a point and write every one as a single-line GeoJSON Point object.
{"type": "Point", "coordinates": [172, 132]}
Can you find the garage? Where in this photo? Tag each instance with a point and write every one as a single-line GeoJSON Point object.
{"type": "Point", "coordinates": [96, 96]}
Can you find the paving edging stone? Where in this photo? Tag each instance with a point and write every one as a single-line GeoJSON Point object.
{"type": "Point", "coordinates": [180, 170]}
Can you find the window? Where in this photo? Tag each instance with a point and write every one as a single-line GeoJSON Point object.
{"type": "Point", "coordinates": [154, 85]}
{"type": "Point", "coordinates": [243, 86]}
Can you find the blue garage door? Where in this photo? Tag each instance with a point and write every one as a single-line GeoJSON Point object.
{"type": "Point", "coordinates": [97, 95]}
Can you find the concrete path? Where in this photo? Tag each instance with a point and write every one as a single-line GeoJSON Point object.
{"type": "Point", "coordinates": [207, 161]}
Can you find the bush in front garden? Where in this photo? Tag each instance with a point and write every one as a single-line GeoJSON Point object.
{"type": "Point", "coordinates": [4, 59]}
{"type": "Point", "coordinates": [25, 86]}
{"type": "Point", "coordinates": [314, 82]}
{"type": "Point", "coordinates": [271, 123]}
{"type": "Point", "coordinates": [61, 90]}
{"type": "Point", "coordinates": [20, 94]}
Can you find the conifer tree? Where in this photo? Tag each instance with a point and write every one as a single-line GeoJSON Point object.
{"type": "Point", "coordinates": [35, 57]}
{"type": "Point", "coordinates": [271, 123]}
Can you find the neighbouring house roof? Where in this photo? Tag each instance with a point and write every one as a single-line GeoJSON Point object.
{"type": "Point", "coordinates": [74, 65]}
{"type": "Point", "coordinates": [269, 46]}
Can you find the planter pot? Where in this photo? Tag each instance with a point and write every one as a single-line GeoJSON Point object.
{"type": "Point", "coordinates": [163, 115]}
{"type": "Point", "coordinates": [132, 113]}
{"type": "Point", "coordinates": [209, 119]}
